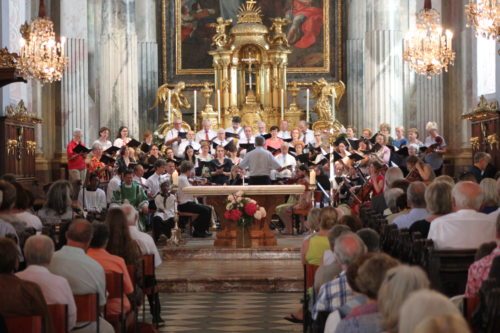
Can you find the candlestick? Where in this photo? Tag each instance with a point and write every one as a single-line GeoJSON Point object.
{"type": "Point", "coordinates": [169, 99]}
{"type": "Point", "coordinates": [333, 108]}
{"type": "Point", "coordinates": [312, 177]}
{"type": "Point", "coordinates": [307, 105]}
{"type": "Point", "coordinates": [282, 104]}
{"type": "Point", "coordinates": [195, 94]}
{"type": "Point", "coordinates": [218, 107]}
{"type": "Point", "coordinates": [175, 178]}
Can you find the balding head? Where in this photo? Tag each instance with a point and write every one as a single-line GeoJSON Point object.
{"type": "Point", "coordinates": [38, 250]}
{"type": "Point", "coordinates": [348, 248]}
{"type": "Point", "coordinates": [416, 195]}
{"type": "Point", "coordinates": [79, 233]}
{"type": "Point", "coordinates": [467, 195]}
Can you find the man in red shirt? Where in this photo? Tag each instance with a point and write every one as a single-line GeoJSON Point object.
{"type": "Point", "coordinates": [76, 162]}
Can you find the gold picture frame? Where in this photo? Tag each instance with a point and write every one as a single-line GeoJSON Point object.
{"type": "Point", "coordinates": [176, 70]}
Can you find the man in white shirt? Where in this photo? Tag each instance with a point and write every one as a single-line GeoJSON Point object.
{"type": "Point", "coordinates": [286, 161]}
{"type": "Point", "coordinates": [259, 162]}
{"type": "Point", "coordinates": [38, 252]}
{"type": "Point", "coordinates": [91, 198]}
{"type": "Point", "coordinates": [236, 126]}
{"type": "Point", "coordinates": [84, 274]}
{"type": "Point", "coordinates": [154, 181]}
{"type": "Point", "coordinates": [306, 135]}
{"type": "Point", "coordinates": [188, 141]}
{"type": "Point", "coordinates": [416, 201]}
{"type": "Point", "coordinates": [172, 138]}
{"type": "Point", "coordinates": [220, 140]}
{"type": "Point", "coordinates": [284, 133]}
{"type": "Point", "coordinates": [206, 134]}
{"type": "Point", "coordinates": [466, 228]}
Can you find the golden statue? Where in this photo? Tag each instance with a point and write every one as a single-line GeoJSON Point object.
{"type": "Point", "coordinates": [279, 37]}
{"type": "Point", "coordinates": [324, 92]}
{"type": "Point", "coordinates": [220, 39]}
{"type": "Point", "coordinates": [177, 100]}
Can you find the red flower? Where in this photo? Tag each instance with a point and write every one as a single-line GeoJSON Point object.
{"type": "Point", "coordinates": [250, 208]}
{"type": "Point", "coordinates": [235, 214]}
{"type": "Point", "coordinates": [227, 215]}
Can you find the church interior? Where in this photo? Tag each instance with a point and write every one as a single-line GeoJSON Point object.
{"type": "Point", "coordinates": [250, 165]}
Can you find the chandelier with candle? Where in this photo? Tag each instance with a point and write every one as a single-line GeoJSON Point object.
{"type": "Point", "coordinates": [427, 49]}
{"type": "Point", "coordinates": [41, 57]}
{"type": "Point", "coordinates": [484, 17]}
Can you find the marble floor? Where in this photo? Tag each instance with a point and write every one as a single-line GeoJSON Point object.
{"type": "Point", "coordinates": [228, 312]}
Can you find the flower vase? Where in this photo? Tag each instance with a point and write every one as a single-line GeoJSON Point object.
{"type": "Point", "coordinates": [243, 239]}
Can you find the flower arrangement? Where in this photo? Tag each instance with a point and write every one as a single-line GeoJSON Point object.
{"type": "Point", "coordinates": [243, 210]}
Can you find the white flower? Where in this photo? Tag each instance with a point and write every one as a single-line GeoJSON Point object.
{"type": "Point", "coordinates": [229, 206]}
{"type": "Point", "coordinates": [160, 136]}
{"type": "Point", "coordinates": [262, 211]}
{"type": "Point", "coordinates": [258, 215]}
{"type": "Point", "coordinates": [156, 133]}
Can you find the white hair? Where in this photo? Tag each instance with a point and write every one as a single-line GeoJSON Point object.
{"type": "Point", "coordinates": [392, 174]}
{"type": "Point", "coordinates": [77, 131]}
{"type": "Point", "coordinates": [131, 213]}
{"type": "Point", "coordinates": [431, 125]}
{"type": "Point", "coordinates": [467, 195]}
{"type": "Point", "coordinates": [38, 250]}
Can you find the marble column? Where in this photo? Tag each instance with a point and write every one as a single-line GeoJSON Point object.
{"type": "Point", "coordinates": [118, 66]}
{"type": "Point", "coordinates": [74, 84]}
{"type": "Point", "coordinates": [356, 16]}
{"type": "Point", "coordinates": [147, 48]}
{"type": "Point", "coordinates": [383, 80]}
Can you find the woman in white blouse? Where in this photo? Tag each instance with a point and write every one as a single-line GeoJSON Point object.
{"type": "Point", "coordinates": [122, 138]}
{"type": "Point", "coordinates": [104, 138]}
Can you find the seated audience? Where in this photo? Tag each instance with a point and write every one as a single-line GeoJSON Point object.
{"type": "Point", "coordinates": [438, 202]}
{"type": "Point", "coordinates": [491, 198]}
{"type": "Point", "coordinates": [333, 294]}
{"type": "Point", "coordinates": [57, 208]}
{"type": "Point", "coordinates": [425, 304]}
{"type": "Point", "coordinates": [479, 270]}
{"type": "Point", "coordinates": [84, 274]}
{"type": "Point", "coordinates": [466, 228]}
{"type": "Point", "coordinates": [416, 202]}
{"type": "Point", "coordinates": [147, 246]}
{"type": "Point", "coordinates": [390, 197]}
{"type": "Point", "coordinates": [9, 196]}
{"type": "Point", "coordinates": [38, 252]}
{"type": "Point", "coordinates": [110, 263]}
{"type": "Point", "coordinates": [312, 222]}
{"type": "Point", "coordinates": [401, 208]}
{"type": "Point", "coordinates": [481, 168]}
{"type": "Point", "coordinates": [19, 297]}
{"type": "Point", "coordinates": [445, 323]}
{"type": "Point", "coordinates": [366, 318]}
{"type": "Point", "coordinates": [21, 216]}
{"type": "Point", "coordinates": [446, 179]}
{"type": "Point", "coordinates": [371, 239]}
{"type": "Point", "coordinates": [314, 247]}
{"type": "Point", "coordinates": [352, 221]}
{"type": "Point", "coordinates": [398, 284]}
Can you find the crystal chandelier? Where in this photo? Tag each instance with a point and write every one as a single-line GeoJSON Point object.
{"type": "Point", "coordinates": [484, 17]}
{"type": "Point", "coordinates": [41, 57]}
{"type": "Point", "coordinates": [427, 49]}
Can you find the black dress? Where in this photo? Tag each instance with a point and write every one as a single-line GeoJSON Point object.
{"type": "Point", "coordinates": [226, 167]}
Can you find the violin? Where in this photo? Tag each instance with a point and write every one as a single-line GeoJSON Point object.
{"type": "Point", "coordinates": [413, 176]}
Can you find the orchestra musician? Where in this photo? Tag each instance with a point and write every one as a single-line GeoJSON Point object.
{"type": "Point", "coordinates": [419, 171]}
{"type": "Point", "coordinates": [187, 203]}
{"type": "Point", "coordinates": [377, 180]}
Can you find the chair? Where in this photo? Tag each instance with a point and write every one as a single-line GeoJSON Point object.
{"type": "Point", "coordinates": [59, 315]}
{"type": "Point", "coordinates": [87, 308]}
{"type": "Point", "coordinates": [448, 269]}
{"type": "Point", "coordinates": [297, 214]}
{"type": "Point", "coordinates": [190, 218]}
{"type": "Point", "coordinates": [114, 288]}
{"type": "Point", "coordinates": [132, 273]}
{"type": "Point", "coordinates": [24, 324]}
{"type": "Point", "coordinates": [148, 273]}
{"type": "Point", "coordinates": [309, 271]}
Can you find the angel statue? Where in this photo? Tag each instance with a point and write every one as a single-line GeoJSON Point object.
{"type": "Point", "coordinates": [324, 92]}
{"type": "Point", "coordinates": [220, 39]}
{"type": "Point", "coordinates": [177, 100]}
{"type": "Point", "coordinates": [279, 37]}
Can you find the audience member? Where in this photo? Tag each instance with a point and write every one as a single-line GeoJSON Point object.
{"type": "Point", "coordinates": [479, 270]}
{"type": "Point", "coordinates": [481, 162]}
{"type": "Point", "coordinates": [446, 179]}
{"type": "Point", "coordinates": [110, 263]}
{"type": "Point", "coordinates": [399, 283]}
{"type": "Point", "coordinates": [332, 295]}
{"type": "Point", "coordinates": [314, 247]}
{"type": "Point", "coordinates": [466, 227]}
{"type": "Point", "coordinates": [352, 221]}
{"type": "Point", "coordinates": [424, 304]}
{"type": "Point", "coordinates": [312, 221]}
{"type": "Point", "coordinates": [19, 297]}
{"type": "Point", "coordinates": [38, 252]}
{"type": "Point", "coordinates": [416, 201]}
{"type": "Point", "coordinates": [84, 274]}
{"type": "Point", "coordinates": [401, 208]}
{"type": "Point", "coordinates": [491, 198]}
{"type": "Point", "coordinates": [21, 213]}
{"type": "Point", "coordinates": [366, 318]}
{"type": "Point", "coordinates": [57, 208]}
{"type": "Point", "coordinates": [390, 197]}
{"type": "Point", "coordinates": [371, 239]}
{"type": "Point", "coordinates": [438, 202]}
{"type": "Point", "coordinates": [452, 323]}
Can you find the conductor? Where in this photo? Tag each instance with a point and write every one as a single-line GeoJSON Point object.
{"type": "Point", "coordinates": [259, 163]}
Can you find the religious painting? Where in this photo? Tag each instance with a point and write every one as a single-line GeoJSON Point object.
{"type": "Point", "coordinates": [314, 34]}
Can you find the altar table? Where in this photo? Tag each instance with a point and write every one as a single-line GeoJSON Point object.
{"type": "Point", "coordinates": [267, 196]}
